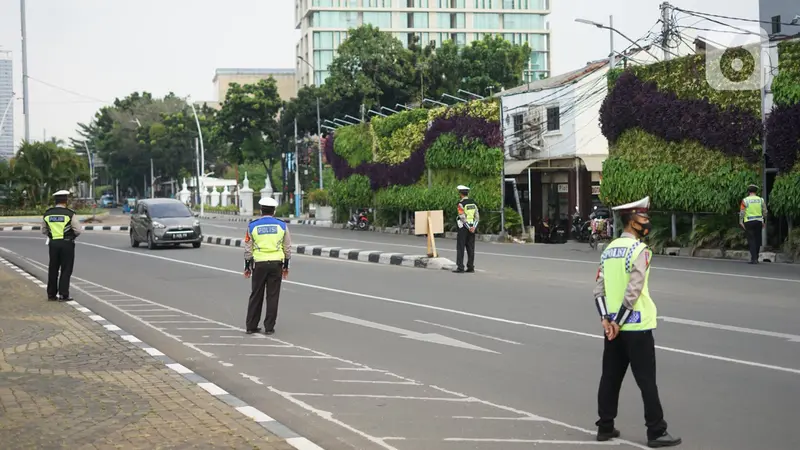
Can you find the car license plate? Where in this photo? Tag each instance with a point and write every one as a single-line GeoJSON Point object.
{"type": "Point", "coordinates": [179, 236]}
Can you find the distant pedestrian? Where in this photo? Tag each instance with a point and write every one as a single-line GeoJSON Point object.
{"type": "Point", "coordinates": [267, 251]}
{"type": "Point", "coordinates": [622, 287]}
{"type": "Point", "coordinates": [752, 218]}
{"type": "Point", "coordinates": [61, 227]}
{"type": "Point", "coordinates": [467, 221]}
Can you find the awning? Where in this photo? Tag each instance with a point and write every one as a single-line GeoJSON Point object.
{"type": "Point", "coordinates": [593, 163]}
{"type": "Point", "coordinates": [516, 167]}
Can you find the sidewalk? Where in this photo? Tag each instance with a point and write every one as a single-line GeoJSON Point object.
{"type": "Point", "coordinates": [66, 382]}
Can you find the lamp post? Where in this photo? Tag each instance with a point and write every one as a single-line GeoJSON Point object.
{"type": "Point", "coordinates": [614, 30]}
{"type": "Point", "coordinates": [91, 171]}
{"type": "Point", "coordinates": [319, 128]}
{"type": "Point", "coordinates": [202, 151]}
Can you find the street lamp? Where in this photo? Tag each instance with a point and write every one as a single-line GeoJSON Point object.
{"type": "Point", "coordinates": [319, 127]}
{"type": "Point", "coordinates": [91, 171]}
{"type": "Point", "coordinates": [613, 30]}
{"type": "Point", "coordinates": [202, 153]}
{"type": "Point", "coordinates": [8, 107]}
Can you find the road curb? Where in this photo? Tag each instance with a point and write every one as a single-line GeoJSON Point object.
{"type": "Point", "coordinates": [266, 422]}
{"type": "Point", "coordinates": [350, 254]}
{"type": "Point", "coordinates": [314, 222]}
{"type": "Point", "coordinates": [84, 228]}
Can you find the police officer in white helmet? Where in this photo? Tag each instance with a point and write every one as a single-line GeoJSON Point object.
{"type": "Point", "coordinates": [61, 227]}
{"type": "Point", "coordinates": [467, 222]}
{"type": "Point", "coordinates": [267, 250]}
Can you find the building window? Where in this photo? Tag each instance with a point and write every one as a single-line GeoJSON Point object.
{"type": "Point", "coordinates": [416, 20]}
{"type": "Point", "coordinates": [452, 4]}
{"type": "Point", "coordinates": [329, 40]}
{"type": "Point", "coordinates": [517, 123]}
{"type": "Point", "coordinates": [482, 21]}
{"type": "Point", "coordinates": [450, 20]}
{"type": "Point", "coordinates": [416, 3]}
{"type": "Point", "coordinates": [486, 4]}
{"type": "Point", "coordinates": [553, 118]}
{"type": "Point", "coordinates": [378, 19]}
{"type": "Point", "coordinates": [377, 3]}
{"type": "Point", "coordinates": [776, 24]}
{"type": "Point", "coordinates": [523, 22]}
{"type": "Point", "coordinates": [336, 3]}
{"type": "Point", "coordinates": [334, 19]}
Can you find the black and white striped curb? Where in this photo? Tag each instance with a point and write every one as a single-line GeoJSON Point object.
{"type": "Point", "coordinates": [395, 259]}
{"type": "Point", "coordinates": [314, 222]}
{"type": "Point", "coordinates": [266, 422]}
{"type": "Point", "coordinates": [85, 228]}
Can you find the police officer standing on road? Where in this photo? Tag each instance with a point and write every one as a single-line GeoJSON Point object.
{"type": "Point", "coordinates": [267, 250]}
{"type": "Point", "coordinates": [752, 213]}
{"type": "Point", "coordinates": [61, 228]}
{"type": "Point", "coordinates": [467, 224]}
{"type": "Point", "coordinates": [622, 287]}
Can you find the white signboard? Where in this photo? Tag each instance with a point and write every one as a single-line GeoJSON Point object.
{"type": "Point", "coordinates": [595, 190]}
{"type": "Point", "coordinates": [563, 188]}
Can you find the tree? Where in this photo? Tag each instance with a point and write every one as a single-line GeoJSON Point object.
{"type": "Point", "coordinates": [42, 168]}
{"type": "Point", "coordinates": [493, 61]}
{"type": "Point", "coordinates": [372, 68]}
{"type": "Point", "coordinates": [247, 121]}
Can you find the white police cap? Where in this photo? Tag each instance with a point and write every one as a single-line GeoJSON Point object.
{"type": "Point", "coordinates": [461, 187]}
{"type": "Point", "coordinates": [268, 201]}
{"type": "Point", "coordinates": [637, 207]}
{"type": "Point", "coordinates": [61, 192]}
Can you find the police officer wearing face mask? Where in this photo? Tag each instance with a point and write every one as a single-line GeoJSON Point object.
{"type": "Point", "coordinates": [61, 228]}
{"type": "Point", "coordinates": [467, 222]}
{"type": "Point", "coordinates": [628, 316]}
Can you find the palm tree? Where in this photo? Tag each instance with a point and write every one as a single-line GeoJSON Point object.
{"type": "Point", "coordinates": [57, 141]}
{"type": "Point", "coordinates": [42, 168]}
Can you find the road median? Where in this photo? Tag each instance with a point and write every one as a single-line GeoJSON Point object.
{"type": "Point", "coordinates": [351, 254]}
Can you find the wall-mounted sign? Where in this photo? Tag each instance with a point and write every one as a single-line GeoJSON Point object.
{"type": "Point", "coordinates": [563, 188]}
{"type": "Point", "coordinates": [595, 190]}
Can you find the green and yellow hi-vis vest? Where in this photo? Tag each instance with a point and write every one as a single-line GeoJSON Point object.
{"type": "Point", "coordinates": [59, 223]}
{"type": "Point", "coordinates": [469, 208]}
{"type": "Point", "coordinates": [617, 262]}
{"type": "Point", "coordinates": [267, 234]}
{"type": "Point", "coordinates": [753, 208]}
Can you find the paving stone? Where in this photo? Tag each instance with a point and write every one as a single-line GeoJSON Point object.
{"type": "Point", "coordinates": [67, 383]}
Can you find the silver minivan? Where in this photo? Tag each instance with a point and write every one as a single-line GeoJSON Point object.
{"type": "Point", "coordinates": [164, 221]}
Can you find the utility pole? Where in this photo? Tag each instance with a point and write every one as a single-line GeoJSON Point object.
{"type": "Point", "coordinates": [25, 108]}
{"type": "Point", "coordinates": [197, 163]}
{"type": "Point", "coordinates": [611, 56]}
{"type": "Point", "coordinates": [152, 181]}
{"type": "Point", "coordinates": [319, 144]}
{"type": "Point", "coordinates": [765, 72]}
{"type": "Point", "coordinates": [298, 202]}
{"type": "Point", "coordinates": [666, 36]}
{"type": "Point", "coordinates": [363, 109]}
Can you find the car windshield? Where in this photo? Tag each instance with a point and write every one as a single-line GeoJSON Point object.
{"type": "Point", "coordinates": [168, 210]}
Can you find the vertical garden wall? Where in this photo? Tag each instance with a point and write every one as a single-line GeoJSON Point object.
{"type": "Point", "coordinates": [413, 160]}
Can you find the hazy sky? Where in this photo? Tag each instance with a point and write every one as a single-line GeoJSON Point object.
{"type": "Point", "coordinates": [102, 49]}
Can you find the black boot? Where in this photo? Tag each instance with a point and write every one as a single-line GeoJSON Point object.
{"type": "Point", "coordinates": [603, 436]}
{"type": "Point", "coordinates": [665, 440]}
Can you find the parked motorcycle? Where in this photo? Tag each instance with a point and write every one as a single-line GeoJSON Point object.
{"type": "Point", "coordinates": [581, 229]}
{"type": "Point", "coordinates": [359, 221]}
{"type": "Point", "coordinates": [549, 233]}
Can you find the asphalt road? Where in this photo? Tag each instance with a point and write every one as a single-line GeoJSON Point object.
{"type": "Point", "coordinates": [371, 356]}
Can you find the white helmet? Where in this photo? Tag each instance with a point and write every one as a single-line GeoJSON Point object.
{"type": "Point", "coordinates": [461, 187]}
{"type": "Point", "coordinates": [61, 192]}
{"type": "Point", "coordinates": [268, 201]}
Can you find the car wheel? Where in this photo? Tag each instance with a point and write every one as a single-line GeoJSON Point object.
{"type": "Point", "coordinates": [150, 244]}
{"type": "Point", "coordinates": [134, 242]}
{"type": "Point", "coordinates": [196, 244]}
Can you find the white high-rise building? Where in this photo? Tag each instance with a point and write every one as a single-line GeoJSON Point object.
{"type": "Point", "coordinates": [6, 105]}
{"type": "Point", "coordinates": [324, 24]}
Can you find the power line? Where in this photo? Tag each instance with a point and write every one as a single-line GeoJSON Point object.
{"type": "Point", "coordinates": [699, 14]}
{"type": "Point", "coordinates": [68, 90]}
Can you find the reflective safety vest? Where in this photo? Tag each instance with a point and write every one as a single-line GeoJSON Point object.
{"type": "Point", "coordinates": [59, 222]}
{"type": "Point", "coordinates": [617, 262]}
{"type": "Point", "coordinates": [469, 208]}
{"type": "Point", "coordinates": [753, 208]}
{"type": "Point", "coordinates": [267, 234]}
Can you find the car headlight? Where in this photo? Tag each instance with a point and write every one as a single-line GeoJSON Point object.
{"type": "Point", "coordinates": [197, 223]}
{"type": "Point", "coordinates": [158, 225]}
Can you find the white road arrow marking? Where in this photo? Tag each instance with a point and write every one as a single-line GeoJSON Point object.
{"type": "Point", "coordinates": [408, 334]}
{"type": "Point", "coordinates": [251, 378]}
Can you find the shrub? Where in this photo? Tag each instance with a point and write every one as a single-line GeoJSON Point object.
{"type": "Point", "coordinates": [722, 232]}
{"type": "Point", "coordinates": [319, 197]}
{"type": "Point", "coordinates": [786, 85]}
{"type": "Point", "coordinates": [284, 210]}
{"type": "Point", "coordinates": [352, 192]}
{"type": "Point", "coordinates": [354, 144]}
{"type": "Point", "coordinates": [784, 199]}
{"type": "Point", "coordinates": [783, 136]}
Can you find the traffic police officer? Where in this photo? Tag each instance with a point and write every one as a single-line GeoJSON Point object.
{"type": "Point", "coordinates": [752, 212]}
{"type": "Point", "coordinates": [61, 228]}
{"type": "Point", "coordinates": [267, 250]}
{"type": "Point", "coordinates": [628, 316]}
{"type": "Point", "coordinates": [467, 224]}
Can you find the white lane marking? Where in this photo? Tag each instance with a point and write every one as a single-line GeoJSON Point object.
{"type": "Point", "coordinates": [289, 356]}
{"type": "Point", "coordinates": [469, 332]}
{"type": "Point", "coordinates": [254, 414]}
{"type": "Point", "coordinates": [201, 329]}
{"type": "Point", "coordinates": [132, 310]}
{"type": "Point", "coordinates": [327, 415]}
{"type": "Point", "coordinates": [532, 441]}
{"type": "Point", "coordinates": [178, 321]}
{"type": "Point", "coordinates": [301, 443]}
{"type": "Point", "coordinates": [360, 369]}
{"type": "Point", "coordinates": [220, 344]}
{"type": "Point", "coordinates": [212, 388]}
{"type": "Point", "coordinates": [530, 419]}
{"type": "Point", "coordinates": [159, 315]}
{"type": "Point", "coordinates": [697, 323]}
{"type": "Point", "coordinates": [541, 258]}
{"type": "Point", "coordinates": [252, 378]}
{"type": "Point", "coordinates": [130, 338]}
{"type": "Point", "coordinates": [153, 351]}
{"type": "Point", "coordinates": [180, 368]}
{"type": "Point", "coordinates": [454, 311]}
{"type": "Point", "coordinates": [409, 383]}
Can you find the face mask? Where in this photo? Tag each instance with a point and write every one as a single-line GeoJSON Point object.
{"type": "Point", "coordinates": [644, 229]}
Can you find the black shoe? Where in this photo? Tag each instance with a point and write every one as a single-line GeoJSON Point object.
{"type": "Point", "coordinates": [470, 270]}
{"type": "Point", "coordinates": [269, 332]}
{"type": "Point", "coordinates": [65, 299]}
{"type": "Point", "coordinates": [603, 436]}
{"type": "Point", "coordinates": [665, 440]}
{"type": "Point", "coordinates": [458, 270]}
{"type": "Point", "coordinates": [253, 330]}
{"type": "Point", "coordinates": [52, 299]}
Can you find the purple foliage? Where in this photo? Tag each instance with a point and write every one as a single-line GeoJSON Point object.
{"type": "Point", "coordinates": [636, 104]}
{"type": "Point", "coordinates": [408, 172]}
{"type": "Point", "coordinates": [783, 136]}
